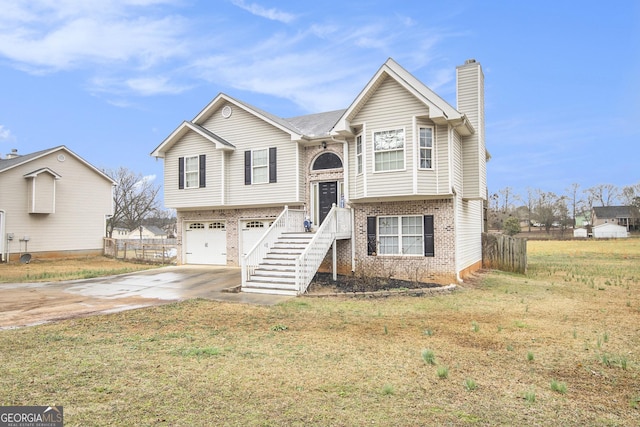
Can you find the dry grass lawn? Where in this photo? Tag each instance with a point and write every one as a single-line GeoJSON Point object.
{"type": "Point", "coordinates": [559, 346]}
{"type": "Point", "coordinates": [51, 269]}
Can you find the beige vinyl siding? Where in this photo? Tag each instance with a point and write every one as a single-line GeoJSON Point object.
{"type": "Point", "coordinates": [245, 132]}
{"type": "Point", "coordinates": [390, 107]}
{"type": "Point", "coordinates": [457, 162]}
{"type": "Point", "coordinates": [193, 144]}
{"type": "Point", "coordinates": [469, 232]}
{"type": "Point", "coordinates": [434, 181]}
{"type": "Point", "coordinates": [248, 132]}
{"type": "Point", "coordinates": [83, 199]}
{"type": "Point", "coordinates": [470, 102]}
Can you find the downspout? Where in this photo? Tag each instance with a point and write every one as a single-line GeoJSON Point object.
{"type": "Point", "coordinates": [222, 176]}
{"type": "Point", "coordinates": [4, 254]}
{"type": "Point", "coordinates": [456, 232]}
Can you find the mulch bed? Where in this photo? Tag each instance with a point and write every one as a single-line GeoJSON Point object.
{"type": "Point", "coordinates": [324, 285]}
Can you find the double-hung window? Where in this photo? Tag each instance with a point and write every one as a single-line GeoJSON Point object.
{"type": "Point", "coordinates": [426, 148]}
{"type": "Point", "coordinates": [401, 235]}
{"type": "Point", "coordinates": [191, 172]}
{"type": "Point", "coordinates": [388, 149]}
{"type": "Point", "coordinates": [260, 166]}
{"type": "Point", "coordinates": [359, 154]}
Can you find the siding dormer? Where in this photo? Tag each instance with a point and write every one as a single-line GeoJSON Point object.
{"type": "Point", "coordinates": [41, 190]}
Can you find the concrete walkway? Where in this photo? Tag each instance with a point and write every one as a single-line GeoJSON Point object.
{"type": "Point", "coordinates": [24, 304]}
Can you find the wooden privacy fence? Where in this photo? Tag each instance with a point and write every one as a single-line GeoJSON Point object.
{"type": "Point", "coordinates": [506, 253]}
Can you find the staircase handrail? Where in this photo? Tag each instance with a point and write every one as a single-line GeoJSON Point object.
{"type": "Point", "coordinates": [289, 220]}
{"type": "Point", "coordinates": [311, 258]}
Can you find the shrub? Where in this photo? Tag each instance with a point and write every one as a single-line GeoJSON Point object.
{"type": "Point", "coordinates": [511, 226]}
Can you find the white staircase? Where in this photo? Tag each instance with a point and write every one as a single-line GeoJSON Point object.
{"type": "Point", "coordinates": [276, 274]}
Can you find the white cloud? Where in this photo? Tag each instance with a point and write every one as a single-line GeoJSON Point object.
{"type": "Point", "coordinates": [5, 134]}
{"type": "Point", "coordinates": [58, 35]}
{"type": "Point", "coordinates": [271, 14]}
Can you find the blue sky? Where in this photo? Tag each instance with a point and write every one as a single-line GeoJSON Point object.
{"type": "Point", "coordinates": [111, 79]}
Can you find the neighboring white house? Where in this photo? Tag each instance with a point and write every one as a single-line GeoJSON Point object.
{"type": "Point", "coordinates": [610, 231]}
{"type": "Point", "coordinates": [52, 203]}
{"type": "Point", "coordinates": [144, 232]}
{"type": "Point", "coordinates": [405, 170]}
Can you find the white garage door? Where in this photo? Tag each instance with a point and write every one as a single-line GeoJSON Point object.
{"type": "Point", "coordinates": [206, 243]}
{"type": "Point", "coordinates": [252, 231]}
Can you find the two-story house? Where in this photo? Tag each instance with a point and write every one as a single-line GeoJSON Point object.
{"type": "Point", "coordinates": [394, 185]}
{"type": "Point", "coordinates": [53, 203]}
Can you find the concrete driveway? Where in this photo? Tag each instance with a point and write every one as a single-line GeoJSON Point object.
{"type": "Point", "coordinates": [24, 304]}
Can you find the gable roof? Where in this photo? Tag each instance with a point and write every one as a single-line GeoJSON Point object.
{"type": "Point", "coordinates": [8, 164]}
{"type": "Point", "coordinates": [35, 173]}
{"type": "Point", "coordinates": [220, 100]}
{"type": "Point", "coordinates": [440, 111]}
{"type": "Point", "coordinates": [612, 211]}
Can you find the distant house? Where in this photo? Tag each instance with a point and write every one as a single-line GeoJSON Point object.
{"type": "Point", "coordinates": [146, 232]}
{"type": "Point", "coordinates": [626, 216]}
{"type": "Point", "coordinates": [52, 203]}
{"type": "Point", "coordinates": [395, 185]}
{"type": "Point", "coordinates": [609, 231]}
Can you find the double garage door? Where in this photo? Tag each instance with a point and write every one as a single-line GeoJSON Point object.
{"type": "Point", "coordinates": [206, 241]}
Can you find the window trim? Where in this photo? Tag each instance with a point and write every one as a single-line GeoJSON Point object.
{"type": "Point", "coordinates": [428, 233]}
{"type": "Point", "coordinates": [400, 235]}
{"type": "Point", "coordinates": [431, 149]}
{"type": "Point", "coordinates": [195, 172]}
{"type": "Point", "coordinates": [376, 152]}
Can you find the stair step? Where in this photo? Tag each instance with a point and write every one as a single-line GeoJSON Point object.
{"type": "Point", "coordinates": [277, 267]}
{"type": "Point", "coordinates": [261, 271]}
{"type": "Point", "coordinates": [252, 290]}
{"type": "Point", "coordinates": [273, 280]}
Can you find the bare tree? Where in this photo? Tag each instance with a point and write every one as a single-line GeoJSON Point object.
{"type": "Point", "coordinates": [603, 194]}
{"type": "Point", "coordinates": [530, 203]}
{"type": "Point", "coordinates": [546, 208]}
{"type": "Point", "coordinates": [134, 198]}
{"type": "Point", "coordinates": [572, 192]}
{"type": "Point", "coordinates": [630, 194]}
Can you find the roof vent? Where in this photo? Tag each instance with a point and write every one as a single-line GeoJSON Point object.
{"type": "Point", "coordinates": [13, 154]}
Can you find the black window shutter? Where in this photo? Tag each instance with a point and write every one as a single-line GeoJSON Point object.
{"type": "Point", "coordinates": [247, 168]}
{"type": "Point", "coordinates": [372, 237]}
{"type": "Point", "coordinates": [180, 173]}
{"type": "Point", "coordinates": [203, 170]}
{"type": "Point", "coordinates": [429, 249]}
{"type": "Point", "coordinates": [273, 175]}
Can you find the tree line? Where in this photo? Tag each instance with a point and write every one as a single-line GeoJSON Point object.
{"type": "Point", "coordinates": [546, 209]}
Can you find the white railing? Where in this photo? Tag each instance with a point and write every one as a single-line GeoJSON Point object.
{"type": "Point", "coordinates": [337, 224]}
{"type": "Point", "coordinates": [290, 220]}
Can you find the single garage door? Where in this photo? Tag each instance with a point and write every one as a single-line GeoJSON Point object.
{"type": "Point", "coordinates": [252, 231]}
{"type": "Point", "coordinates": [206, 243]}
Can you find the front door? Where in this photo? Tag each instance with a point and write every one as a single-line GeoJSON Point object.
{"type": "Point", "coordinates": [328, 195]}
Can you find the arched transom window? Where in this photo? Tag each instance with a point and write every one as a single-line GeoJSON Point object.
{"type": "Point", "coordinates": [327, 161]}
